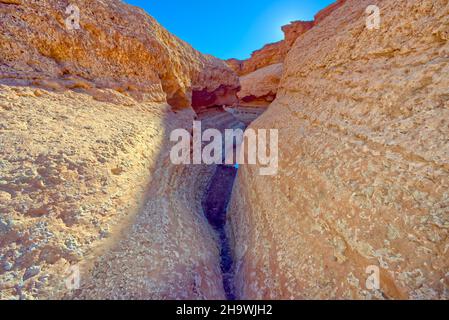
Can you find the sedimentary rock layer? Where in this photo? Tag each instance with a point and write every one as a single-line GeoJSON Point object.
{"type": "Point", "coordinates": [274, 53]}
{"type": "Point", "coordinates": [259, 88]}
{"type": "Point", "coordinates": [84, 127]}
{"type": "Point", "coordinates": [170, 252]}
{"type": "Point", "coordinates": [363, 119]}
{"type": "Point", "coordinates": [116, 46]}
{"type": "Point", "coordinates": [323, 14]}
{"type": "Point", "coordinates": [74, 175]}
{"type": "Point", "coordinates": [268, 59]}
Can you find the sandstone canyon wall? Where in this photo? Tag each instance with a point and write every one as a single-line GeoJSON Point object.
{"type": "Point", "coordinates": [259, 88]}
{"type": "Point", "coordinates": [363, 119]}
{"type": "Point", "coordinates": [274, 53]}
{"type": "Point", "coordinates": [117, 46]}
{"type": "Point", "coordinates": [260, 75]}
{"type": "Point", "coordinates": [264, 70]}
{"type": "Point", "coordinates": [84, 130]}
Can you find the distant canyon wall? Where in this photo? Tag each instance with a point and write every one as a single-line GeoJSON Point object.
{"type": "Point", "coordinates": [259, 88]}
{"type": "Point", "coordinates": [363, 119]}
{"type": "Point", "coordinates": [253, 79]}
{"type": "Point", "coordinates": [271, 53]}
{"type": "Point", "coordinates": [84, 130]}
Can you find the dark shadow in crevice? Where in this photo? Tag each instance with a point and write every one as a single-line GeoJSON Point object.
{"type": "Point", "coordinates": [215, 205]}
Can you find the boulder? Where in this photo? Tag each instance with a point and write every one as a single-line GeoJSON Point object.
{"type": "Point", "coordinates": [259, 88]}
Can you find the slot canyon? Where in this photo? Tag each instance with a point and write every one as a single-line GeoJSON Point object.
{"type": "Point", "coordinates": [87, 184]}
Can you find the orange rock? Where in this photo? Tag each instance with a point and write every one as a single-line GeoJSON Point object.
{"type": "Point", "coordinates": [260, 87]}
{"type": "Point", "coordinates": [363, 119]}
{"type": "Point", "coordinates": [116, 45]}
{"type": "Point", "coordinates": [272, 53]}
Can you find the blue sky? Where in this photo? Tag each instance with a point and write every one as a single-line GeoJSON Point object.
{"type": "Point", "coordinates": [229, 28]}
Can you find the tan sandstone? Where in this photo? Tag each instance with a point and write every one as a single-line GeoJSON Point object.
{"type": "Point", "coordinates": [84, 169]}
{"type": "Point", "coordinates": [259, 88]}
{"type": "Point", "coordinates": [363, 119]}
{"type": "Point", "coordinates": [117, 46]}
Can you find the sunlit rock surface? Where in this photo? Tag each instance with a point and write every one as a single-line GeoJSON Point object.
{"type": "Point", "coordinates": [117, 46]}
{"type": "Point", "coordinates": [260, 87]}
{"type": "Point", "coordinates": [86, 180]}
{"type": "Point", "coordinates": [363, 119]}
{"type": "Point", "coordinates": [272, 53]}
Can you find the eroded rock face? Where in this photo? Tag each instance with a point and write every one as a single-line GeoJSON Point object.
{"type": "Point", "coordinates": [170, 252]}
{"type": "Point", "coordinates": [74, 180]}
{"type": "Point", "coordinates": [259, 88]}
{"type": "Point", "coordinates": [87, 170]}
{"type": "Point", "coordinates": [223, 95]}
{"type": "Point", "coordinates": [117, 46]}
{"type": "Point", "coordinates": [363, 119]}
{"type": "Point", "coordinates": [272, 53]}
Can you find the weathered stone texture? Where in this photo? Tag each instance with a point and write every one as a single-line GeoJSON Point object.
{"type": "Point", "coordinates": [117, 46]}
{"type": "Point", "coordinates": [363, 119]}
{"type": "Point", "coordinates": [272, 53]}
{"type": "Point", "coordinates": [259, 88]}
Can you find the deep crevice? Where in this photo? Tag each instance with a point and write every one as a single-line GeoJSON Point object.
{"type": "Point", "coordinates": [215, 205]}
{"type": "Point", "coordinates": [218, 194]}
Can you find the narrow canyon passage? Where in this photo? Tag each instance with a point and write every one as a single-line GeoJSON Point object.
{"type": "Point", "coordinates": [218, 193]}
{"type": "Point", "coordinates": [93, 204]}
